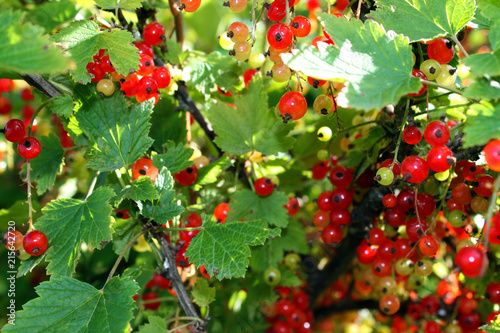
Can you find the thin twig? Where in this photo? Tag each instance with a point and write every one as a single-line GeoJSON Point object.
{"type": "Point", "coordinates": [489, 213]}
{"type": "Point", "coordinates": [30, 207]}
{"type": "Point", "coordinates": [432, 83]}
{"type": "Point", "coordinates": [401, 129]}
{"type": "Point", "coordinates": [179, 30]}
{"type": "Point", "coordinates": [455, 39]}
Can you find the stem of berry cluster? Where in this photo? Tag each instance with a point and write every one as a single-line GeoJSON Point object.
{"type": "Point", "coordinates": [254, 22]}
{"type": "Point", "coordinates": [179, 30]}
{"type": "Point", "coordinates": [401, 129]}
{"type": "Point", "coordinates": [287, 12]}
{"type": "Point", "coordinates": [37, 111]}
{"type": "Point", "coordinates": [455, 39]}
{"type": "Point", "coordinates": [432, 83]}
{"type": "Point", "coordinates": [489, 213]}
{"type": "Point", "coordinates": [30, 206]}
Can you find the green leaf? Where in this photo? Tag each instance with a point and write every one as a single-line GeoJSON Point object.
{"type": "Point", "coordinates": [292, 239]}
{"type": "Point", "coordinates": [489, 9]}
{"type": "Point", "coordinates": [484, 63]}
{"type": "Point", "coordinates": [46, 166]}
{"type": "Point", "coordinates": [483, 89]}
{"type": "Point", "coordinates": [28, 265]}
{"type": "Point", "coordinates": [174, 54]}
{"type": "Point", "coordinates": [18, 212]}
{"type": "Point", "coordinates": [62, 105]}
{"type": "Point", "coordinates": [119, 131]}
{"type": "Point", "coordinates": [141, 189]}
{"type": "Point", "coordinates": [24, 49]}
{"type": "Point", "coordinates": [68, 305]}
{"type": "Point", "coordinates": [424, 19]}
{"type": "Point", "coordinates": [217, 69]}
{"type": "Point", "coordinates": [481, 20]}
{"type": "Point", "coordinates": [251, 127]}
{"type": "Point", "coordinates": [124, 4]}
{"type": "Point", "coordinates": [376, 64]}
{"type": "Point", "coordinates": [209, 174]}
{"type": "Point", "coordinates": [84, 39]}
{"type": "Point", "coordinates": [224, 248]}
{"type": "Point", "coordinates": [288, 277]}
{"type": "Point", "coordinates": [203, 294]}
{"type": "Point", "coordinates": [155, 325]}
{"type": "Point", "coordinates": [175, 160]}
{"type": "Point", "coordinates": [251, 206]}
{"type": "Point", "coordinates": [482, 127]}
{"type": "Point", "coordinates": [51, 14]}
{"type": "Point", "coordinates": [166, 207]}
{"type": "Point", "coordinates": [69, 222]}
{"type": "Point", "coordinates": [170, 125]}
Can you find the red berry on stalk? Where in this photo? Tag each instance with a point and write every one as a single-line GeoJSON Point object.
{"type": "Point", "coordinates": [158, 281]}
{"type": "Point", "coordinates": [35, 243]}
{"type": "Point", "coordinates": [264, 186]}
{"type": "Point", "coordinates": [221, 211]}
{"type": "Point", "coordinates": [419, 74]}
{"type": "Point", "coordinates": [389, 200]}
{"type": "Point", "coordinates": [248, 75]}
{"type": "Point", "coordinates": [341, 176]}
{"type": "Point", "coordinates": [26, 95]}
{"type": "Point", "coordinates": [342, 218]}
{"type": "Point", "coordinates": [320, 170]}
{"type": "Point", "coordinates": [332, 234]}
{"type": "Point", "coordinates": [13, 240]}
{"type": "Point", "coordinates": [147, 89]}
{"type": "Point", "coordinates": [144, 48]}
{"type": "Point", "coordinates": [412, 135]}
{"type": "Point", "coordinates": [188, 176]}
{"type": "Point", "coordinates": [324, 201]}
{"type": "Point", "coordinates": [5, 105]}
{"type": "Point", "coordinates": [483, 185]}
{"type": "Point", "coordinates": [389, 304]}
{"type": "Point", "coordinates": [471, 261]}
{"type": "Point", "coordinates": [144, 167]}
{"type": "Point", "coordinates": [414, 169]}
{"type": "Point", "coordinates": [276, 11]}
{"type": "Point", "coordinates": [341, 199]}
{"type": "Point", "coordinates": [148, 297]}
{"type": "Point", "coordinates": [95, 71]}
{"type": "Point", "coordinates": [190, 5]}
{"type": "Point", "coordinates": [493, 292]}
{"type": "Point", "coordinates": [292, 206]}
{"type": "Point", "coordinates": [122, 214]}
{"type": "Point", "coordinates": [321, 219]}
{"type": "Point", "coordinates": [146, 65]}
{"type": "Point", "coordinates": [440, 158]}
{"type": "Point", "coordinates": [441, 50]}
{"type": "Point", "coordinates": [193, 221]}
{"type": "Point", "coordinates": [491, 154]}
{"type": "Point", "coordinates": [300, 26]}
{"type": "Point", "coordinates": [106, 65]}
{"type": "Point", "coordinates": [279, 36]}
{"type": "Point", "coordinates": [292, 106]}
{"type": "Point", "coordinates": [130, 85]}
{"type": "Point", "coordinates": [29, 148]}
{"type": "Point", "coordinates": [366, 254]}
{"type": "Point", "coordinates": [436, 133]}
{"type": "Point", "coordinates": [15, 130]}
{"type": "Point", "coordinates": [154, 33]}
{"type": "Point", "coordinates": [162, 76]}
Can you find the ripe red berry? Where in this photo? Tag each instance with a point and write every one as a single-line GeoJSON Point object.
{"type": "Point", "coordinates": [144, 48]}
{"type": "Point", "coordinates": [147, 89]}
{"type": "Point", "coordinates": [15, 130]}
{"type": "Point", "coordinates": [248, 75]}
{"type": "Point", "coordinates": [341, 199]}
{"type": "Point", "coordinates": [342, 218]}
{"type": "Point", "coordinates": [95, 72]}
{"type": "Point", "coordinates": [440, 158]}
{"type": "Point", "coordinates": [158, 281]}
{"type": "Point", "coordinates": [264, 186]}
{"type": "Point", "coordinates": [471, 261]}
{"type": "Point", "coordinates": [419, 74]}
{"type": "Point", "coordinates": [436, 133]}
{"type": "Point", "coordinates": [35, 243]}
{"type": "Point", "coordinates": [493, 292]}
{"type": "Point", "coordinates": [106, 64]}
{"type": "Point", "coordinates": [441, 50]}
{"type": "Point", "coordinates": [279, 36]}
{"type": "Point", "coordinates": [366, 253]}
{"type": "Point", "coordinates": [220, 212]}
{"type": "Point", "coordinates": [292, 206]}
{"type": "Point", "coordinates": [412, 135]}
{"type": "Point", "coordinates": [193, 221]}
{"type": "Point", "coordinates": [320, 170]}
{"type": "Point", "coordinates": [146, 65]}
{"type": "Point", "coordinates": [341, 176]}
{"type": "Point", "coordinates": [29, 148]}
{"type": "Point", "coordinates": [130, 85]}
{"type": "Point", "coordinates": [5, 105]}
{"type": "Point", "coordinates": [483, 185]}
{"type": "Point", "coordinates": [26, 95]}
{"type": "Point", "coordinates": [276, 11]}
{"type": "Point", "coordinates": [188, 176]}
{"type": "Point", "coordinates": [414, 169]}
{"type": "Point", "coordinates": [300, 26]}
{"type": "Point", "coordinates": [389, 200]}
{"type": "Point", "coordinates": [154, 33]}
{"type": "Point", "coordinates": [324, 201]}
{"type": "Point", "coordinates": [332, 234]}
{"type": "Point", "coordinates": [148, 297]}
{"type": "Point", "coordinates": [492, 155]}
{"type": "Point", "coordinates": [144, 167]}
{"type": "Point", "coordinates": [292, 106]}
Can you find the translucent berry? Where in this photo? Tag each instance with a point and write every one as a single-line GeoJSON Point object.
{"type": "Point", "coordinates": [154, 33]}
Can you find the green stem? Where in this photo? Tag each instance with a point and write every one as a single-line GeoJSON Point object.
{"type": "Point", "coordinates": [489, 213]}
{"type": "Point", "coordinates": [120, 257]}
{"type": "Point", "coordinates": [181, 229]}
{"type": "Point", "coordinates": [401, 128]}
{"type": "Point", "coordinates": [356, 126]}
{"type": "Point", "coordinates": [37, 111]}
{"type": "Point", "coordinates": [455, 39]}
{"type": "Point", "coordinates": [444, 108]}
{"type": "Point", "coordinates": [30, 207]}
{"type": "Point", "coordinates": [420, 53]}
{"type": "Point", "coordinates": [432, 83]}
{"type": "Point", "coordinates": [61, 87]}
{"type": "Point", "coordinates": [92, 185]}
{"type": "Point", "coordinates": [159, 299]}
{"type": "Point", "coordinates": [184, 318]}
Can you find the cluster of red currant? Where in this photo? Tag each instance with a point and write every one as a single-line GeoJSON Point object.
{"type": "Point", "coordinates": [290, 313]}
{"type": "Point", "coordinates": [34, 243]}
{"type": "Point", "coordinates": [144, 83]}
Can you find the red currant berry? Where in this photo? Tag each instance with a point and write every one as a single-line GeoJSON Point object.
{"type": "Point", "coordinates": [146, 65]}
{"type": "Point", "coordinates": [292, 206]}
{"type": "Point", "coordinates": [381, 267]}
{"type": "Point", "coordinates": [122, 214]}
{"type": "Point", "coordinates": [425, 204]}
{"type": "Point", "coordinates": [300, 26]}
{"type": "Point", "coordinates": [321, 219]}
{"type": "Point", "coordinates": [15, 130]}
{"type": "Point", "coordinates": [144, 48]}
{"type": "Point", "coordinates": [365, 253]}
{"type": "Point", "coordinates": [188, 176]}
{"type": "Point", "coordinates": [162, 76]}
{"type": "Point", "coordinates": [144, 167]}
{"type": "Point", "coordinates": [461, 193]}
{"type": "Point", "coordinates": [154, 33]}
{"type": "Point", "coordinates": [193, 221]}
{"type": "Point", "coordinates": [35, 243]}
{"type": "Point", "coordinates": [264, 186]}
{"type": "Point", "coordinates": [106, 65]}
{"type": "Point", "coordinates": [279, 36]}
{"type": "Point", "coordinates": [414, 169]}
{"type": "Point", "coordinates": [341, 199]}
{"type": "Point", "coordinates": [325, 201]}
{"type": "Point", "coordinates": [13, 240]}
{"type": "Point", "coordinates": [148, 297]}
{"type": "Point", "coordinates": [395, 216]}
{"type": "Point", "coordinates": [412, 135]}
{"type": "Point", "coordinates": [276, 11]}
{"type": "Point", "coordinates": [5, 105]}
{"type": "Point", "coordinates": [221, 211]}
{"type": "Point", "coordinates": [147, 89]}
{"type": "Point", "coordinates": [493, 292]}
{"type": "Point", "coordinates": [491, 154]}
{"type": "Point", "coordinates": [158, 281]}
{"type": "Point", "coordinates": [483, 185]}
{"type": "Point", "coordinates": [341, 176]}
{"type": "Point", "coordinates": [332, 234]}
{"type": "Point", "coordinates": [376, 236]}
{"type": "Point", "coordinates": [419, 74]}
{"type": "Point", "coordinates": [26, 95]}
{"type": "Point", "coordinates": [436, 133]}
{"type": "Point", "coordinates": [130, 85]}
{"type": "Point", "coordinates": [389, 200]}
{"type": "Point", "coordinates": [29, 148]}
{"type": "Point", "coordinates": [342, 218]}
{"type": "Point", "coordinates": [441, 50]}
{"type": "Point", "coordinates": [471, 261]}
{"type": "Point", "coordinates": [248, 75]}
{"type": "Point", "coordinates": [428, 246]}
{"type": "Point", "coordinates": [389, 304]}
{"type": "Point", "coordinates": [292, 106]}
{"type": "Point", "coordinates": [95, 71]}
{"type": "Point", "coordinates": [440, 158]}
{"type": "Point", "coordinates": [320, 170]}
